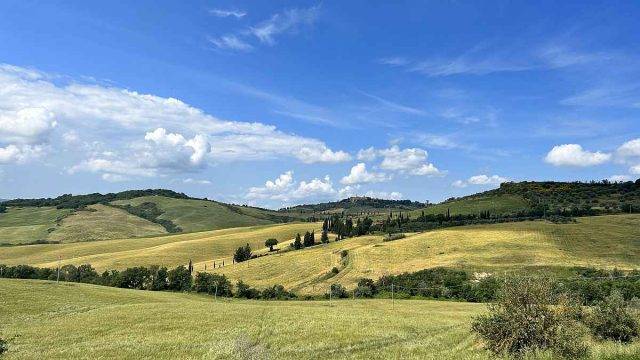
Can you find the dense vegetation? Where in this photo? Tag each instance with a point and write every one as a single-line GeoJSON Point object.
{"type": "Point", "coordinates": [151, 212]}
{"type": "Point", "coordinates": [69, 201]}
{"type": "Point", "coordinates": [356, 205]}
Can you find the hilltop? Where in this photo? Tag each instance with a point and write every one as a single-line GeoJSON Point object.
{"type": "Point", "coordinates": [356, 205]}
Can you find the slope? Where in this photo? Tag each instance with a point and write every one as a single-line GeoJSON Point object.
{"type": "Point", "coordinates": [21, 225]}
{"type": "Point", "coordinates": [601, 241]}
{"type": "Point", "coordinates": [169, 250]}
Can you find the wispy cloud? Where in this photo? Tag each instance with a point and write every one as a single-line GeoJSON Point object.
{"type": "Point", "coordinates": [223, 13]}
{"type": "Point", "coordinates": [285, 22]}
{"type": "Point", "coordinates": [395, 106]}
{"type": "Point", "coordinates": [231, 42]}
{"type": "Point", "coordinates": [612, 95]}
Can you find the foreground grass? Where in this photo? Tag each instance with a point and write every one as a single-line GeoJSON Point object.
{"type": "Point", "coordinates": [43, 319]}
{"type": "Point", "coordinates": [21, 225]}
{"type": "Point", "coordinates": [170, 250]}
{"type": "Point", "coordinates": [602, 241]}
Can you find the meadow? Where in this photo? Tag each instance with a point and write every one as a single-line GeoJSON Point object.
{"type": "Point", "coordinates": [495, 204]}
{"type": "Point", "coordinates": [171, 250]}
{"type": "Point", "coordinates": [42, 319]}
{"type": "Point", "coordinates": [601, 241]}
{"type": "Point", "coordinates": [21, 225]}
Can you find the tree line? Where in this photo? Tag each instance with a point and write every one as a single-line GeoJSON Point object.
{"type": "Point", "coordinates": [152, 278]}
{"type": "Point", "coordinates": [69, 201]}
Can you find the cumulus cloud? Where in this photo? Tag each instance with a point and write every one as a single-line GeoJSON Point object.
{"type": "Point", "coordinates": [360, 175]}
{"type": "Point", "coordinates": [19, 153]}
{"type": "Point", "coordinates": [412, 161]}
{"type": "Point", "coordinates": [629, 149]}
{"type": "Point", "coordinates": [619, 178]}
{"type": "Point", "coordinates": [285, 189]}
{"type": "Point", "coordinates": [575, 155]}
{"type": "Point", "coordinates": [32, 106]}
{"type": "Point", "coordinates": [482, 180]}
{"type": "Point", "coordinates": [368, 154]}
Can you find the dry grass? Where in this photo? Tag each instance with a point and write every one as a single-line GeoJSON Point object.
{"type": "Point", "coordinates": [164, 250]}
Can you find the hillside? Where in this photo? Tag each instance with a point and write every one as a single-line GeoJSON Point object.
{"type": "Point", "coordinates": [600, 241]}
{"type": "Point", "coordinates": [171, 250]}
{"type": "Point", "coordinates": [129, 214]}
{"type": "Point", "coordinates": [355, 206]}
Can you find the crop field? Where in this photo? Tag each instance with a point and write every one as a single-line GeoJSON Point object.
{"type": "Point", "coordinates": [171, 250]}
{"type": "Point", "coordinates": [42, 319]}
{"type": "Point", "coordinates": [100, 222]}
{"type": "Point", "coordinates": [23, 225]}
{"type": "Point", "coordinates": [603, 241]}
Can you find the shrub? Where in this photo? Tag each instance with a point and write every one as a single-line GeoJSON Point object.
{"type": "Point", "coordinates": [180, 279]}
{"type": "Point", "coordinates": [212, 284]}
{"type": "Point", "coordinates": [612, 320]}
{"type": "Point", "coordinates": [4, 347]}
{"type": "Point", "coordinates": [243, 253]}
{"type": "Point", "coordinates": [335, 270]}
{"type": "Point", "coordinates": [366, 288]}
{"type": "Point", "coordinates": [338, 291]}
{"type": "Point", "coordinates": [522, 320]}
{"type": "Point", "coordinates": [277, 292]}
{"type": "Point", "coordinates": [245, 291]}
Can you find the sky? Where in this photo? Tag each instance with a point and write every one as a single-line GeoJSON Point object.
{"type": "Point", "coordinates": [280, 103]}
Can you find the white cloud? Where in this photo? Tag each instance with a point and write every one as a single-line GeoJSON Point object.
{"type": "Point", "coordinates": [114, 169]}
{"type": "Point", "coordinates": [285, 22]}
{"type": "Point", "coordinates": [223, 13]}
{"type": "Point", "coordinates": [619, 178]}
{"type": "Point", "coordinates": [412, 161]}
{"type": "Point", "coordinates": [635, 169]}
{"type": "Point", "coordinates": [481, 180]}
{"type": "Point", "coordinates": [575, 155]}
{"type": "Point", "coordinates": [20, 153]}
{"type": "Point", "coordinates": [395, 106]}
{"type": "Point", "coordinates": [285, 189]}
{"type": "Point", "coordinates": [231, 42]}
{"type": "Point", "coordinates": [196, 181]}
{"type": "Point", "coordinates": [630, 149]}
{"type": "Point", "coordinates": [116, 115]}
{"type": "Point", "coordinates": [393, 195]}
{"type": "Point", "coordinates": [25, 125]}
{"type": "Point", "coordinates": [360, 175]}
{"type": "Point", "coordinates": [368, 154]}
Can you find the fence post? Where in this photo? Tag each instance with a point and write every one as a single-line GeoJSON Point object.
{"type": "Point", "coordinates": [393, 300]}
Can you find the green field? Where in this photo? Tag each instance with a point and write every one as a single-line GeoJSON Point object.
{"type": "Point", "coordinates": [201, 215]}
{"type": "Point", "coordinates": [23, 225]}
{"type": "Point", "coordinates": [100, 222]}
{"type": "Point", "coordinates": [169, 250]}
{"type": "Point", "coordinates": [602, 241]}
{"type": "Point", "coordinates": [42, 319]}
{"type": "Point", "coordinates": [496, 204]}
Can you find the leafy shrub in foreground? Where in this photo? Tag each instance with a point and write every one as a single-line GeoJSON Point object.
{"type": "Point", "coordinates": [612, 320]}
{"type": "Point", "coordinates": [522, 320]}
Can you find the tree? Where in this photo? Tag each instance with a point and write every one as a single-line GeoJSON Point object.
{"type": "Point", "coordinates": [270, 243]}
{"type": "Point", "coordinates": [297, 243]}
{"type": "Point", "coordinates": [325, 237]}
{"type": "Point", "coordinates": [179, 279]}
{"type": "Point", "coordinates": [243, 253]}
{"type": "Point", "coordinates": [309, 239]}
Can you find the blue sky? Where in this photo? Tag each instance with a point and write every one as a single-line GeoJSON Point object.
{"type": "Point", "coordinates": [278, 103]}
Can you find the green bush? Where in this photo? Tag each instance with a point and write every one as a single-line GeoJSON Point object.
{"type": "Point", "coordinates": [522, 320]}
{"type": "Point", "coordinates": [612, 320]}
{"type": "Point", "coordinates": [338, 291]}
{"type": "Point", "coordinates": [4, 347]}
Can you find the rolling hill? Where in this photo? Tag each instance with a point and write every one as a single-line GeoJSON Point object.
{"type": "Point", "coordinates": [129, 214]}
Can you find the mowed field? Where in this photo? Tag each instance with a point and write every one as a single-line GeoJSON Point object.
{"type": "Point", "coordinates": [45, 320]}
{"type": "Point", "coordinates": [171, 250]}
{"type": "Point", "coordinates": [21, 225]}
{"type": "Point", "coordinates": [604, 241]}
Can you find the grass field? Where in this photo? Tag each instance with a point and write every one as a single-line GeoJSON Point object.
{"type": "Point", "coordinates": [43, 319]}
{"type": "Point", "coordinates": [169, 250]}
{"type": "Point", "coordinates": [23, 225]}
{"type": "Point", "coordinates": [604, 241]}
{"type": "Point", "coordinates": [100, 222]}
{"type": "Point", "coordinates": [496, 204]}
{"type": "Point", "coordinates": [200, 215]}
